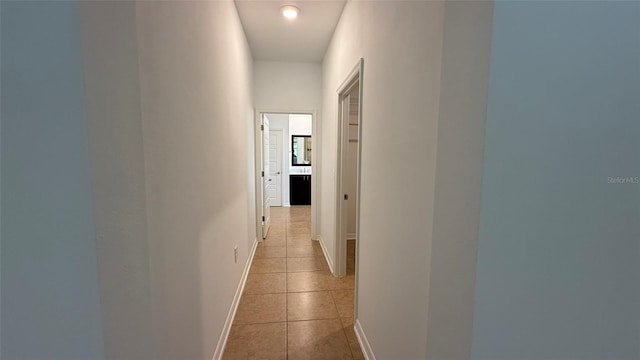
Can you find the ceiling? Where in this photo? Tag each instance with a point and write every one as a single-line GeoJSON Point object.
{"type": "Point", "coordinates": [273, 37]}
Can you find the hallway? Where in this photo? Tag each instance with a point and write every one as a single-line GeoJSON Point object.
{"type": "Point", "coordinates": [292, 307]}
{"type": "Point", "coordinates": [497, 193]}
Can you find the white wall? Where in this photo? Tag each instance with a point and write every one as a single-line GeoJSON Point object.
{"type": "Point", "coordinates": [463, 94]}
{"type": "Point", "coordinates": [116, 139]}
{"type": "Point", "coordinates": [50, 300]}
{"type": "Point", "coordinates": [197, 111]}
{"type": "Point", "coordinates": [300, 124]}
{"type": "Point", "coordinates": [285, 86]}
{"type": "Point", "coordinates": [424, 89]}
{"type": "Point", "coordinates": [169, 88]}
{"type": "Point", "coordinates": [558, 261]}
{"type": "Point", "coordinates": [401, 43]}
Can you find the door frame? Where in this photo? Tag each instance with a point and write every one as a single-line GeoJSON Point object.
{"type": "Point", "coordinates": [315, 164]}
{"type": "Point", "coordinates": [354, 77]}
{"type": "Point", "coordinates": [259, 186]}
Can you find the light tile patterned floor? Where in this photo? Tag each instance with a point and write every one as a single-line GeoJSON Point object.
{"type": "Point", "coordinates": [292, 307]}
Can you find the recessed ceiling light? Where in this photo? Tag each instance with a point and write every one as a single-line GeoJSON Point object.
{"type": "Point", "coordinates": [290, 11]}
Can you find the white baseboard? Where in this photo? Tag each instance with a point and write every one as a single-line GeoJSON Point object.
{"type": "Point", "coordinates": [324, 251]}
{"type": "Point", "coordinates": [351, 236]}
{"type": "Point", "coordinates": [364, 343]}
{"type": "Point", "coordinates": [286, 205]}
{"type": "Point", "coordinates": [222, 342]}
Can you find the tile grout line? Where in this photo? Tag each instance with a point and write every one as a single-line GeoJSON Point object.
{"type": "Point", "coordinates": [287, 292]}
{"type": "Point", "coordinates": [261, 323]}
{"type": "Point", "coordinates": [342, 325]}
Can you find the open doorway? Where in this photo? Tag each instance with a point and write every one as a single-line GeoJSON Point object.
{"type": "Point", "coordinates": [348, 172]}
{"type": "Point", "coordinates": [285, 159]}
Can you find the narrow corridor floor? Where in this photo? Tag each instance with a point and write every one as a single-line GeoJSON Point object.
{"type": "Point", "coordinates": [292, 307]}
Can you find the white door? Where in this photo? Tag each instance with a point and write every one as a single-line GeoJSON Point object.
{"type": "Point", "coordinates": [274, 183]}
{"type": "Point", "coordinates": [266, 214]}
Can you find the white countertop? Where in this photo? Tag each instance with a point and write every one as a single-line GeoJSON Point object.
{"type": "Point", "coordinates": [302, 171]}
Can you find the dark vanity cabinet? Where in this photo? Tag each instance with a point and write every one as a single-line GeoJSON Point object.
{"type": "Point", "coordinates": [300, 189]}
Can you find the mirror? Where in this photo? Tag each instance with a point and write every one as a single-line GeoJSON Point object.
{"type": "Point", "coordinates": [301, 150]}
